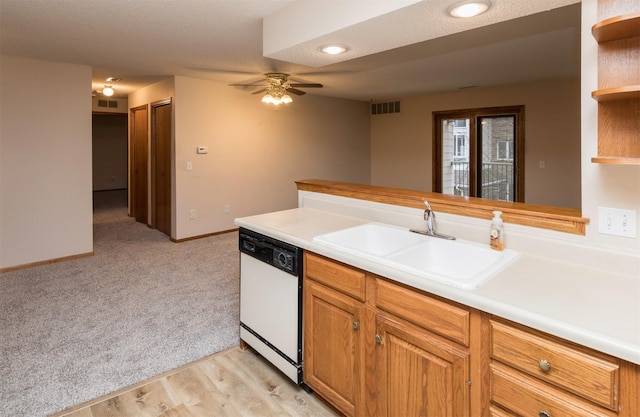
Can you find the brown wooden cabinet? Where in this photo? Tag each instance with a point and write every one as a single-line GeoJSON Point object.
{"type": "Point", "coordinates": [618, 94]}
{"type": "Point", "coordinates": [333, 337]}
{"type": "Point", "coordinates": [375, 347]}
{"type": "Point", "coordinates": [532, 373]}
{"type": "Point", "coordinates": [419, 373]}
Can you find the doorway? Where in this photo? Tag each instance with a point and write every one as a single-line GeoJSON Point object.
{"type": "Point", "coordinates": [151, 189]}
{"type": "Point", "coordinates": [109, 159]}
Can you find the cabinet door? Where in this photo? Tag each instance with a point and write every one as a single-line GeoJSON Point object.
{"type": "Point", "coordinates": [334, 349]}
{"type": "Point", "coordinates": [419, 373]}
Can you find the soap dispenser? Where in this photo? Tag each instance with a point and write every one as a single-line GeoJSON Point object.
{"type": "Point", "coordinates": [497, 232]}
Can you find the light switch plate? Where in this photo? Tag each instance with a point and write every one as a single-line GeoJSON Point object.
{"type": "Point", "coordinates": [617, 222]}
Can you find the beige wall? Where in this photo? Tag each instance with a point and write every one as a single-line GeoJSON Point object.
{"type": "Point", "coordinates": [45, 161]}
{"type": "Point", "coordinates": [401, 143]}
{"type": "Point", "coordinates": [256, 152]}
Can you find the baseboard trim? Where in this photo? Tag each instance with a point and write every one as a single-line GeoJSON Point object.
{"type": "Point", "coordinates": [47, 262]}
{"type": "Point", "coordinates": [186, 239]}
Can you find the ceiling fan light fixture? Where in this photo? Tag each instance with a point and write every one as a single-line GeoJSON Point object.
{"type": "Point", "coordinates": [286, 99]}
{"type": "Point", "coordinates": [107, 91]}
{"type": "Point", "coordinates": [333, 49]}
{"type": "Point", "coordinates": [469, 8]}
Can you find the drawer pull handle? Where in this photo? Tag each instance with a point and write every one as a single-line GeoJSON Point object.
{"type": "Point", "coordinates": [543, 414]}
{"type": "Point", "coordinates": [545, 366]}
{"type": "Point", "coordinates": [356, 325]}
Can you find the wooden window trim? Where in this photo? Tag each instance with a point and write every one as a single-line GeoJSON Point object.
{"type": "Point", "coordinates": [519, 159]}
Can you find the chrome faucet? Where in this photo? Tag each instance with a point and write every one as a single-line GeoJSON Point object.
{"type": "Point", "coordinates": [430, 217]}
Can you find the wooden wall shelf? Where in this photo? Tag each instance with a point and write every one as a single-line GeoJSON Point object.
{"type": "Point", "coordinates": [618, 93]}
{"type": "Point", "coordinates": [618, 27]}
{"type": "Point", "coordinates": [628, 92]}
{"type": "Point", "coordinates": [615, 160]}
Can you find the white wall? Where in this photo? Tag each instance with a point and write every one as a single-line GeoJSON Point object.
{"type": "Point", "coordinates": [256, 153]}
{"type": "Point", "coordinates": [45, 161]}
{"type": "Point", "coordinates": [402, 146]}
{"type": "Point", "coordinates": [616, 186]}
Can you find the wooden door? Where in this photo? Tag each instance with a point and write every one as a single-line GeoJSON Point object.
{"type": "Point", "coordinates": [161, 142]}
{"type": "Point", "coordinates": [334, 347]}
{"type": "Point", "coordinates": [138, 164]}
{"type": "Point", "coordinates": [419, 373]}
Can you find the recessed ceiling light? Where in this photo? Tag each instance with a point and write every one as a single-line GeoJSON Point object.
{"type": "Point", "coordinates": [469, 8]}
{"type": "Point", "coordinates": [333, 49]}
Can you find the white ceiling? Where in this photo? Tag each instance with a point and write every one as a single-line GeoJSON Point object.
{"type": "Point", "coordinates": [414, 50]}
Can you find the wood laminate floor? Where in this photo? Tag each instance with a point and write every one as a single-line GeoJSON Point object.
{"type": "Point", "coordinates": [234, 383]}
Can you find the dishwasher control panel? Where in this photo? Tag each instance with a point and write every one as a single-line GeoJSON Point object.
{"type": "Point", "coordinates": [271, 251]}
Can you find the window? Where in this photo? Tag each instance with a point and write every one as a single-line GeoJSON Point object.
{"type": "Point", "coordinates": [480, 153]}
{"type": "Point", "coordinates": [504, 150]}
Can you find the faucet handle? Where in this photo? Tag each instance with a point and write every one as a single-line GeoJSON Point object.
{"type": "Point", "coordinates": [428, 211]}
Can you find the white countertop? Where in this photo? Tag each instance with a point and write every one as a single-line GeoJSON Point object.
{"type": "Point", "coordinates": [592, 307]}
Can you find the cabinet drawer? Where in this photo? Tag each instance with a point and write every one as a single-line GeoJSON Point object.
{"type": "Point", "coordinates": [527, 396]}
{"type": "Point", "coordinates": [575, 370]}
{"type": "Point", "coordinates": [335, 275]}
{"type": "Point", "coordinates": [498, 412]}
{"type": "Point", "coordinates": [428, 312]}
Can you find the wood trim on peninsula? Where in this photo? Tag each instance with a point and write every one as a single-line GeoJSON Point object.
{"type": "Point", "coordinates": [544, 217]}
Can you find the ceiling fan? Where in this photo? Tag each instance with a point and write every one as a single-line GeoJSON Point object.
{"type": "Point", "coordinates": [277, 88]}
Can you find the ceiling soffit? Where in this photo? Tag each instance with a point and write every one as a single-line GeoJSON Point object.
{"type": "Point", "coordinates": [295, 32]}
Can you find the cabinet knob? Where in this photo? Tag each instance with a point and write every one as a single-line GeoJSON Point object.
{"type": "Point", "coordinates": [543, 413]}
{"type": "Point", "coordinates": [545, 366]}
{"type": "Point", "coordinates": [378, 339]}
{"type": "Point", "coordinates": [356, 325]}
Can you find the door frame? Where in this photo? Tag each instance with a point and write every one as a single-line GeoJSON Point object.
{"type": "Point", "coordinates": [155, 155]}
{"type": "Point", "coordinates": [133, 165]}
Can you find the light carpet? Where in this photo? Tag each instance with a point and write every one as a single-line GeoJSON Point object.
{"type": "Point", "coordinates": [142, 305]}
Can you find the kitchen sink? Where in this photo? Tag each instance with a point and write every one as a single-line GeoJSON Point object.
{"type": "Point", "coordinates": [459, 263]}
{"type": "Point", "coordinates": [371, 239]}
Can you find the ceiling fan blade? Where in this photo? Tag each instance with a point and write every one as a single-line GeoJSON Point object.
{"type": "Point", "coordinates": [305, 85]}
{"type": "Point", "coordinates": [259, 91]}
{"type": "Point", "coordinates": [245, 85]}
{"type": "Point", "coordinates": [295, 91]}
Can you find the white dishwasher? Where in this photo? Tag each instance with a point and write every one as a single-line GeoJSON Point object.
{"type": "Point", "coordinates": [271, 300]}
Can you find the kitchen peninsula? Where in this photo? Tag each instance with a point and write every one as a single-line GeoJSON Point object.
{"type": "Point", "coordinates": [555, 326]}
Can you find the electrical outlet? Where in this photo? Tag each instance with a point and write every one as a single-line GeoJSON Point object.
{"type": "Point", "coordinates": [189, 165]}
{"type": "Point", "coordinates": [192, 214]}
{"type": "Point", "coordinates": [617, 222]}
{"type": "Point", "coordinates": [227, 209]}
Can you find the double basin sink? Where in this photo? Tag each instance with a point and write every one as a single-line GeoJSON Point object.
{"type": "Point", "coordinates": [459, 263]}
